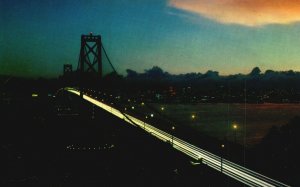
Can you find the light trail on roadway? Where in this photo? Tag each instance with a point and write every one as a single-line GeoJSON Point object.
{"type": "Point", "coordinates": [230, 169]}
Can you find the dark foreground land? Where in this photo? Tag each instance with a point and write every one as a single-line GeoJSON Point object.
{"type": "Point", "coordinates": [64, 141]}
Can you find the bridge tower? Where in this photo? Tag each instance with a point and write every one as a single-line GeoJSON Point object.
{"type": "Point", "coordinates": [90, 59]}
{"type": "Point", "coordinates": [68, 70]}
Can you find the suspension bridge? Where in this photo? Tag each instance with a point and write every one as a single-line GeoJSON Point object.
{"type": "Point", "coordinates": [90, 65]}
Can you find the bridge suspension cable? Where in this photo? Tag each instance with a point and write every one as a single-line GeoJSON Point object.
{"type": "Point", "coordinates": [102, 46]}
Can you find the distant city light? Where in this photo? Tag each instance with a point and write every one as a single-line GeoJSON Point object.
{"type": "Point", "coordinates": [34, 95]}
{"type": "Point", "coordinates": [193, 116]}
{"type": "Point", "coordinates": [142, 103]}
{"type": "Point", "coordinates": [152, 115]}
{"type": "Point", "coordinates": [235, 126]}
{"type": "Point", "coordinates": [132, 107]}
{"type": "Point", "coordinates": [162, 108]}
{"type": "Point", "coordinates": [222, 145]}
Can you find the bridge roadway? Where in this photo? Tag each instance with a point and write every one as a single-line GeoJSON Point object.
{"type": "Point", "coordinates": [231, 169]}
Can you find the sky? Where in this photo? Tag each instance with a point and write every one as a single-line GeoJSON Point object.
{"type": "Point", "coordinates": [180, 36]}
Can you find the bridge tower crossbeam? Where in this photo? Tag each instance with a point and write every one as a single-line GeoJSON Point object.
{"type": "Point", "coordinates": [90, 59]}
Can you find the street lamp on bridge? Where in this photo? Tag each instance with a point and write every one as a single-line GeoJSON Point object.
{"type": "Point", "coordinates": [173, 129]}
{"type": "Point", "coordinates": [222, 154]}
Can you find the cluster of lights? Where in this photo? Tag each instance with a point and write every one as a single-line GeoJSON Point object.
{"type": "Point", "coordinates": [151, 115]}
{"type": "Point", "coordinates": [162, 108]}
{"type": "Point", "coordinates": [106, 146]}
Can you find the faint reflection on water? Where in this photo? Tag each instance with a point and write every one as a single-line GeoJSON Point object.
{"type": "Point", "coordinates": [217, 119]}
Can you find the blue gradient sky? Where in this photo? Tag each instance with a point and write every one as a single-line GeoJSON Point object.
{"type": "Point", "coordinates": [38, 37]}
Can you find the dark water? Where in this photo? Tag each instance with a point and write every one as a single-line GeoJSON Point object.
{"type": "Point", "coordinates": [253, 120]}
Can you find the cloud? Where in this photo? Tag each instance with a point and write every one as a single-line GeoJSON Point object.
{"type": "Point", "coordinates": [243, 12]}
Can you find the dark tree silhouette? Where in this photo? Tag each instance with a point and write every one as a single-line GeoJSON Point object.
{"type": "Point", "coordinates": [255, 72]}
